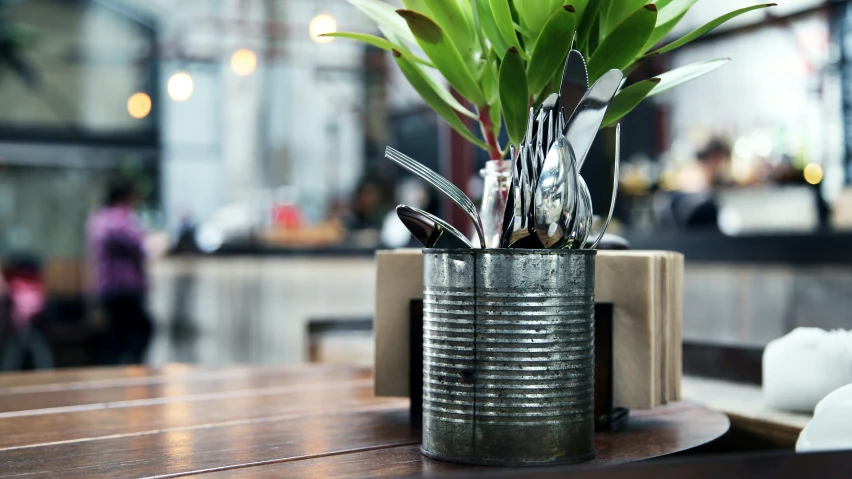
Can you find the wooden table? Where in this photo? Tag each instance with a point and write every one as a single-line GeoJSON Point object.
{"type": "Point", "coordinates": [300, 421]}
{"type": "Point", "coordinates": [744, 406]}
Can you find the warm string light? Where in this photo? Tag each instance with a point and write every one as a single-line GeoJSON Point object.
{"type": "Point", "coordinates": [180, 86]}
{"type": "Point", "coordinates": [243, 62]}
{"type": "Point", "coordinates": [139, 105]}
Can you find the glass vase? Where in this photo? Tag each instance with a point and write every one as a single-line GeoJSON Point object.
{"type": "Point", "coordinates": [495, 189]}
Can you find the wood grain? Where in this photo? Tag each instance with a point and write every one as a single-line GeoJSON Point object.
{"type": "Point", "coordinates": [77, 375]}
{"type": "Point", "coordinates": [73, 379]}
{"type": "Point", "coordinates": [658, 432]}
{"type": "Point", "coordinates": [308, 421]}
{"type": "Point", "coordinates": [126, 393]}
{"type": "Point", "coordinates": [209, 410]}
{"type": "Point", "coordinates": [406, 461]}
{"type": "Point", "coordinates": [175, 451]}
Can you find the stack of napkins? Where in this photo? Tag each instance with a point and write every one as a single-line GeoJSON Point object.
{"type": "Point", "coordinates": [645, 288]}
{"type": "Point", "coordinates": [646, 291]}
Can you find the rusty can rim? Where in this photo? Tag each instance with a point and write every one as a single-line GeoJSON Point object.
{"type": "Point", "coordinates": [511, 251]}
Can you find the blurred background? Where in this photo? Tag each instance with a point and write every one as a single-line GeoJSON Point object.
{"type": "Point", "coordinates": [254, 152]}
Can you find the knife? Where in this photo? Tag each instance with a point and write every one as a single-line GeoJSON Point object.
{"type": "Point", "coordinates": [575, 82]}
{"type": "Point", "coordinates": [587, 118]}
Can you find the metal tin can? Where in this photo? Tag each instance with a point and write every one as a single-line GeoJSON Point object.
{"type": "Point", "coordinates": [508, 356]}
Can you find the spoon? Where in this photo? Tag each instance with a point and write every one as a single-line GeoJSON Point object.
{"type": "Point", "coordinates": [441, 184]}
{"type": "Point", "coordinates": [431, 231]}
{"type": "Point", "coordinates": [555, 194]}
{"type": "Point", "coordinates": [583, 222]}
{"type": "Point", "coordinates": [584, 124]}
{"type": "Point", "coordinates": [614, 185]}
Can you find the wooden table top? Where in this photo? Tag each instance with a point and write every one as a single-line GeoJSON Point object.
{"type": "Point", "coordinates": [298, 421]}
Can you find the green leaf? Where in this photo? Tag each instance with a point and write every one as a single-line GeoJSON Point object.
{"type": "Point", "coordinates": [660, 32]}
{"type": "Point", "coordinates": [523, 31]}
{"type": "Point", "coordinates": [467, 9]}
{"type": "Point", "coordinates": [624, 43]}
{"type": "Point", "coordinates": [661, 4]}
{"type": "Point", "coordinates": [681, 75]}
{"type": "Point", "coordinates": [513, 95]}
{"type": "Point", "coordinates": [503, 19]}
{"type": "Point", "coordinates": [426, 88]}
{"type": "Point", "coordinates": [449, 15]}
{"type": "Point", "coordinates": [579, 8]}
{"type": "Point", "coordinates": [385, 15]}
{"type": "Point", "coordinates": [488, 80]}
{"type": "Point", "coordinates": [376, 42]}
{"type": "Point", "coordinates": [489, 27]}
{"type": "Point", "coordinates": [443, 53]}
{"type": "Point", "coordinates": [532, 15]}
{"type": "Point", "coordinates": [707, 27]}
{"type": "Point", "coordinates": [363, 37]}
{"type": "Point", "coordinates": [594, 37]}
{"type": "Point", "coordinates": [671, 13]}
{"type": "Point", "coordinates": [603, 16]}
{"type": "Point", "coordinates": [419, 6]}
{"type": "Point", "coordinates": [586, 25]}
{"type": "Point", "coordinates": [555, 40]}
{"type": "Point", "coordinates": [626, 100]}
{"type": "Point", "coordinates": [674, 10]}
{"type": "Point", "coordinates": [439, 85]}
{"type": "Point", "coordinates": [619, 10]}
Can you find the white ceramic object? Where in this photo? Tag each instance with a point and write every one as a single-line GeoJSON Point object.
{"type": "Point", "coordinates": [801, 368]}
{"type": "Point", "coordinates": [831, 427]}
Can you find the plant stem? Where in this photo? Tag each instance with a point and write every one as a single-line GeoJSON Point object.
{"type": "Point", "coordinates": [488, 133]}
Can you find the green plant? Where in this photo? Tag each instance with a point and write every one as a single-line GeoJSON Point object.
{"type": "Point", "coordinates": [504, 55]}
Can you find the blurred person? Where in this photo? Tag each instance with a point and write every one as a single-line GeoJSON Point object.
{"type": "Point", "coordinates": [694, 207]}
{"type": "Point", "coordinates": [715, 161]}
{"type": "Point", "coordinates": [24, 305]}
{"type": "Point", "coordinates": [363, 219]}
{"type": "Point", "coordinates": [119, 279]}
{"type": "Point", "coordinates": [363, 210]}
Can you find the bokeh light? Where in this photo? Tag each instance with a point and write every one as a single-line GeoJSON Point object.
{"type": "Point", "coordinates": [243, 62]}
{"type": "Point", "coordinates": [813, 173]}
{"type": "Point", "coordinates": [180, 86]}
{"type": "Point", "coordinates": [139, 105]}
{"type": "Point", "coordinates": [321, 24]}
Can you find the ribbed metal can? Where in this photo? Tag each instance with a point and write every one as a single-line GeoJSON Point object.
{"type": "Point", "coordinates": [508, 356]}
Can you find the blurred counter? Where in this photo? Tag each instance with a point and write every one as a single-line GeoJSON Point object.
{"type": "Point", "coordinates": [749, 290]}
{"type": "Point", "coordinates": [798, 249]}
{"type": "Point", "coordinates": [254, 307]}
{"type": "Point", "coordinates": [259, 250]}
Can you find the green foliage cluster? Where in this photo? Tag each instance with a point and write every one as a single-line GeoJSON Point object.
{"type": "Point", "coordinates": [505, 55]}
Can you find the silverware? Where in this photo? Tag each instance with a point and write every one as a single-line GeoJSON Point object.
{"type": "Point", "coordinates": [441, 184]}
{"type": "Point", "coordinates": [584, 124]}
{"type": "Point", "coordinates": [583, 221]}
{"type": "Point", "coordinates": [555, 195]}
{"type": "Point", "coordinates": [514, 206]}
{"type": "Point", "coordinates": [431, 231]}
{"type": "Point", "coordinates": [575, 82]}
{"type": "Point", "coordinates": [611, 241]}
{"type": "Point", "coordinates": [614, 185]}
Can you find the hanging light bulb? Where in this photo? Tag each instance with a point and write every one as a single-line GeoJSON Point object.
{"type": "Point", "coordinates": [180, 86]}
{"type": "Point", "coordinates": [320, 24]}
{"type": "Point", "coordinates": [243, 62]}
